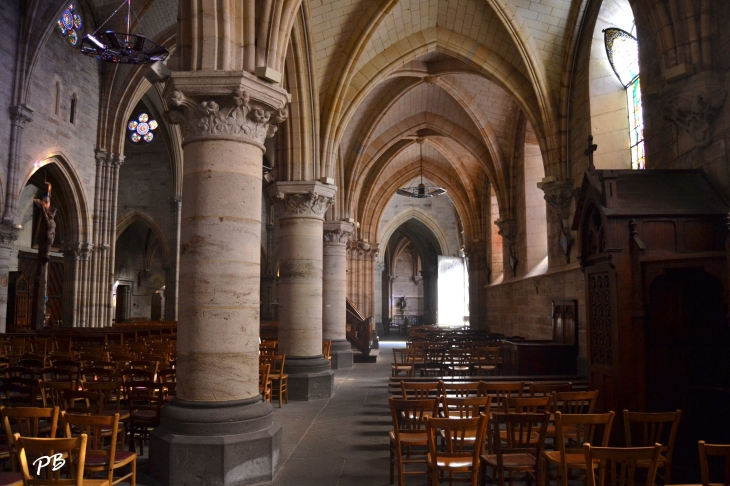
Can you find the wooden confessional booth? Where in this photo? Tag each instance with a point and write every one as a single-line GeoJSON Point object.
{"type": "Point", "coordinates": [654, 248]}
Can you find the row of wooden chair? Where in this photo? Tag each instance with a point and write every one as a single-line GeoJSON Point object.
{"type": "Point", "coordinates": [25, 426]}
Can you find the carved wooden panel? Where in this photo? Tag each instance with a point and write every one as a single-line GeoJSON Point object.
{"type": "Point", "coordinates": [22, 303]}
{"type": "Point", "coordinates": [565, 327]}
{"type": "Point", "coordinates": [600, 312]}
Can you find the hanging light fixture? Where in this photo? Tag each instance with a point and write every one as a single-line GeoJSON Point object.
{"type": "Point", "coordinates": [122, 48]}
{"type": "Point", "coordinates": [421, 191]}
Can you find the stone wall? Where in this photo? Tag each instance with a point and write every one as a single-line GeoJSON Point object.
{"type": "Point", "coordinates": [523, 307]}
{"type": "Point", "coordinates": [51, 132]}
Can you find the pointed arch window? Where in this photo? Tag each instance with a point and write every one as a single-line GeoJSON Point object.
{"type": "Point", "coordinates": [622, 50]}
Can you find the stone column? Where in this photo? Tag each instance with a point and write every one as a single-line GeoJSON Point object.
{"type": "Point", "coordinates": [334, 291]}
{"type": "Point", "coordinates": [173, 274]}
{"type": "Point", "coordinates": [19, 116]}
{"type": "Point", "coordinates": [8, 235]}
{"type": "Point", "coordinates": [380, 316]}
{"type": "Point", "coordinates": [218, 429]}
{"type": "Point", "coordinates": [478, 267]}
{"type": "Point", "coordinates": [301, 207]}
{"type": "Point", "coordinates": [430, 275]}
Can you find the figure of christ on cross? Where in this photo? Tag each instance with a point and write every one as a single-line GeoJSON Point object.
{"type": "Point", "coordinates": [45, 235]}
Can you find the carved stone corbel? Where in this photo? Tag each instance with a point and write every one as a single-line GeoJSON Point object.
{"type": "Point", "coordinates": [508, 232]}
{"type": "Point", "coordinates": [559, 195]}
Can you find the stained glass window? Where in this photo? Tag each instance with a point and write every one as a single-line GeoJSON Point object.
{"type": "Point", "coordinates": [622, 50]}
{"type": "Point", "coordinates": [71, 24]}
{"type": "Point", "coordinates": [142, 128]}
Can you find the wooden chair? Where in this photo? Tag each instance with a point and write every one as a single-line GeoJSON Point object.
{"type": "Point", "coordinates": [581, 429]}
{"type": "Point", "coordinates": [19, 394]}
{"type": "Point", "coordinates": [716, 450]}
{"type": "Point", "coordinates": [500, 391]}
{"type": "Point", "coordinates": [279, 379]}
{"type": "Point", "coordinates": [433, 361]}
{"type": "Point", "coordinates": [617, 466]}
{"type": "Point", "coordinates": [143, 364]}
{"type": "Point", "coordinates": [96, 374]}
{"type": "Point", "coordinates": [485, 360]}
{"type": "Point", "coordinates": [52, 391]}
{"type": "Point", "coordinates": [56, 373]}
{"type": "Point", "coordinates": [82, 402]}
{"type": "Point", "coordinates": [572, 403]}
{"type": "Point", "coordinates": [111, 394]}
{"type": "Point", "coordinates": [136, 375]}
{"type": "Point", "coordinates": [28, 422]}
{"type": "Point", "coordinates": [326, 348]}
{"type": "Point", "coordinates": [409, 432]}
{"type": "Point", "coordinates": [75, 463]}
{"type": "Point", "coordinates": [264, 382]}
{"type": "Point", "coordinates": [462, 445]}
{"type": "Point", "coordinates": [521, 453]}
{"type": "Point", "coordinates": [99, 458]}
{"type": "Point", "coordinates": [168, 378]}
{"type": "Point", "coordinates": [413, 390]}
{"type": "Point", "coordinates": [462, 389]}
{"type": "Point", "coordinates": [401, 363]}
{"type": "Point", "coordinates": [575, 402]}
{"type": "Point", "coordinates": [458, 362]}
{"type": "Point", "coordinates": [144, 402]}
{"type": "Point", "coordinates": [546, 389]}
{"type": "Point", "coordinates": [466, 407]}
{"type": "Point", "coordinates": [643, 429]}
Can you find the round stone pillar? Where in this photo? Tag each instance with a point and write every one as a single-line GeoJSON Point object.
{"type": "Point", "coordinates": [334, 291]}
{"type": "Point", "coordinates": [301, 206]}
{"type": "Point", "coordinates": [218, 427]}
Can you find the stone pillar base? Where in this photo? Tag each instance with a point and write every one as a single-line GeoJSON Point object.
{"type": "Point", "coordinates": [212, 444]}
{"type": "Point", "coordinates": [341, 352]}
{"type": "Point", "coordinates": [310, 378]}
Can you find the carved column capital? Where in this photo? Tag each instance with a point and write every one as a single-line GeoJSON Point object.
{"type": "Point", "coordinates": [8, 235]}
{"type": "Point", "coordinates": [338, 232]}
{"type": "Point", "coordinates": [108, 159]}
{"type": "Point", "coordinates": [558, 195]}
{"type": "Point", "coordinates": [693, 105]}
{"type": "Point", "coordinates": [301, 199]}
{"type": "Point", "coordinates": [20, 114]}
{"type": "Point", "coordinates": [507, 229]}
{"type": "Point", "coordinates": [216, 105]}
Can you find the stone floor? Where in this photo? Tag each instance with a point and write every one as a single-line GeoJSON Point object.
{"type": "Point", "coordinates": [342, 441]}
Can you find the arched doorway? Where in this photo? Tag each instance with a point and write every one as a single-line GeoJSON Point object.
{"type": "Point", "coordinates": [23, 283]}
{"type": "Point", "coordinates": [140, 271]}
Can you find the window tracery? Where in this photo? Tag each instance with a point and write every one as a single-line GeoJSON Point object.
{"type": "Point", "coordinates": [70, 24]}
{"type": "Point", "coordinates": [142, 128]}
{"type": "Point", "coordinates": [622, 50]}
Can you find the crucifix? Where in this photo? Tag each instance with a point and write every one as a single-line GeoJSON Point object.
{"type": "Point", "coordinates": [45, 234]}
{"type": "Point", "coordinates": [592, 147]}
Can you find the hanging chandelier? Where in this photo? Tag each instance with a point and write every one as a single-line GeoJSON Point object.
{"type": "Point", "coordinates": [421, 191]}
{"type": "Point", "coordinates": [122, 48]}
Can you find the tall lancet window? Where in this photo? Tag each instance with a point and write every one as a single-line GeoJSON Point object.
{"type": "Point", "coordinates": [622, 49]}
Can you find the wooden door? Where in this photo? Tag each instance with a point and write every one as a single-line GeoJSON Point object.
{"type": "Point", "coordinates": [121, 312]}
{"type": "Point", "coordinates": [156, 306]}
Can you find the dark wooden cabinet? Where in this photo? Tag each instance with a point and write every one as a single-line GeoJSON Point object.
{"type": "Point", "coordinates": [653, 247]}
{"type": "Point", "coordinates": [525, 358]}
